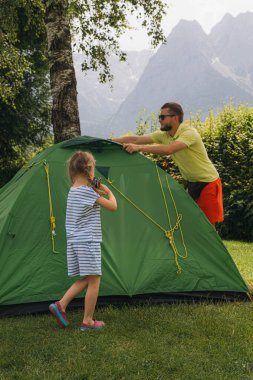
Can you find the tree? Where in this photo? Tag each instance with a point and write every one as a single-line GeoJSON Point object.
{"type": "Point", "coordinates": [99, 24]}
{"type": "Point", "coordinates": [24, 85]}
{"type": "Point", "coordinates": [65, 116]}
{"type": "Point", "coordinates": [18, 44]}
{"type": "Point", "coordinates": [12, 68]}
{"type": "Point", "coordinates": [12, 64]}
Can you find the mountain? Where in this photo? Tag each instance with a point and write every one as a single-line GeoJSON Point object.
{"type": "Point", "coordinates": [197, 70]}
{"type": "Point", "coordinates": [99, 102]}
{"type": "Point", "coordinates": [232, 39]}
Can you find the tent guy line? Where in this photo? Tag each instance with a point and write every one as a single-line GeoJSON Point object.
{"type": "Point", "coordinates": [168, 233]}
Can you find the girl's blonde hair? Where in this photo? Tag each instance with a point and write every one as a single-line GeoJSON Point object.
{"type": "Point", "coordinates": [80, 163]}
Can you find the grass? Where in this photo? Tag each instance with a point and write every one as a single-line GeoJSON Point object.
{"type": "Point", "coordinates": [242, 254]}
{"type": "Point", "coordinates": [180, 341]}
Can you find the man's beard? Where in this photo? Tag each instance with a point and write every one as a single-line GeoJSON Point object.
{"type": "Point", "coordinates": [166, 127]}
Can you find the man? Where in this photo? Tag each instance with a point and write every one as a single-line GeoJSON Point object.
{"type": "Point", "coordinates": [185, 146]}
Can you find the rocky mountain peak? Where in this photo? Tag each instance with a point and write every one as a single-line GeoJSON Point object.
{"type": "Point", "coordinates": [199, 71]}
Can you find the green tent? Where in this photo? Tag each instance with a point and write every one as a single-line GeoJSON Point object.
{"type": "Point", "coordinates": [157, 245]}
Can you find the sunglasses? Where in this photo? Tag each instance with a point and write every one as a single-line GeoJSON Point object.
{"type": "Point", "coordinates": [162, 117]}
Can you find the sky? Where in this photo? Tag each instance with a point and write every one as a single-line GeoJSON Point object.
{"type": "Point", "coordinates": [207, 12]}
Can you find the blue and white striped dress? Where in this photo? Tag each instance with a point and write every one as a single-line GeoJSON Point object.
{"type": "Point", "coordinates": [84, 234]}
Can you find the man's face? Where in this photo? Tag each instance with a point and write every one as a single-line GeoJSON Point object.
{"type": "Point", "coordinates": [166, 119]}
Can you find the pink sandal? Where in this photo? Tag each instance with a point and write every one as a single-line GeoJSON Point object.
{"type": "Point", "coordinates": [59, 314]}
{"type": "Point", "coordinates": [97, 325]}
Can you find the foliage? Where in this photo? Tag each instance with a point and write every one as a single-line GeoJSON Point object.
{"type": "Point", "coordinates": [12, 68]}
{"type": "Point", "coordinates": [99, 24]}
{"type": "Point", "coordinates": [21, 31]}
{"type": "Point", "coordinates": [25, 129]}
{"type": "Point", "coordinates": [24, 85]}
{"type": "Point", "coordinates": [228, 138]}
{"type": "Point", "coordinates": [146, 122]}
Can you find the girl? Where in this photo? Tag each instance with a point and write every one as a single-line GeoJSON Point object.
{"type": "Point", "coordinates": [83, 227]}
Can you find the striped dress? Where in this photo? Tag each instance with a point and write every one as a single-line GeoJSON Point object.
{"type": "Point", "coordinates": [84, 234]}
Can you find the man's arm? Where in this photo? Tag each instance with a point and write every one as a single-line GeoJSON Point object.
{"type": "Point", "coordinates": [145, 139]}
{"type": "Point", "coordinates": [161, 149]}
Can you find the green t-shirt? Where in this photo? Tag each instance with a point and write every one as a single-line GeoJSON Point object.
{"type": "Point", "coordinates": [193, 162]}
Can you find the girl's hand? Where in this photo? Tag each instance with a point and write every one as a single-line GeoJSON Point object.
{"type": "Point", "coordinates": [110, 203]}
{"type": "Point", "coordinates": [103, 190]}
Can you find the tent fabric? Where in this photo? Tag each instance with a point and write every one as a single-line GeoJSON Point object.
{"type": "Point", "coordinates": [137, 257]}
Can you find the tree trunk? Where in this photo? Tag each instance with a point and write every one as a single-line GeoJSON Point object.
{"type": "Point", "coordinates": [65, 116]}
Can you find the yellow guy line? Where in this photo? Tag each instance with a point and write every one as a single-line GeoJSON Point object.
{"type": "Point", "coordinates": [52, 218]}
{"type": "Point", "coordinates": [168, 233]}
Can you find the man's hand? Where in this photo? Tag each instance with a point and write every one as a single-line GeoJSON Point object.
{"type": "Point", "coordinates": [131, 148]}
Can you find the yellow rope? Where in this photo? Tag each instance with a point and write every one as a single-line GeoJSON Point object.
{"type": "Point", "coordinates": [168, 233]}
{"type": "Point", "coordinates": [133, 204]}
{"type": "Point", "coordinates": [52, 218]}
{"type": "Point", "coordinates": [178, 216]}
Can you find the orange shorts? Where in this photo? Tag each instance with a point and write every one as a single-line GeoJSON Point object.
{"type": "Point", "coordinates": [210, 201]}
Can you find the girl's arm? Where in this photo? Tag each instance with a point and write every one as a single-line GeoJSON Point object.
{"type": "Point", "coordinates": [110, 203]}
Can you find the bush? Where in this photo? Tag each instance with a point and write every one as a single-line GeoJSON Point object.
{"type": "Point", "coordinates": [228, 138]}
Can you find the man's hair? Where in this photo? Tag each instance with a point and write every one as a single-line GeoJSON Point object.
{"type": "Point", "coordinates": [176, 109]}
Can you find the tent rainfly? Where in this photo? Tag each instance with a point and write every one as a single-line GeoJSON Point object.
{"type": "Point", "coordinates": [157, 246]}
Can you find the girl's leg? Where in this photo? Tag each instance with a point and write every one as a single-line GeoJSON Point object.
{"type": "Point", "coordinates": [91, 299]}
{"type": "Point", "coordinates": [73, 291]}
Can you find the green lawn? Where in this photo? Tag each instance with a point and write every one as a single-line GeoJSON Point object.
{"type": "Point", "coordinates": [242, 254]}
{"type": "Point", "coordinates": [181, 341]}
